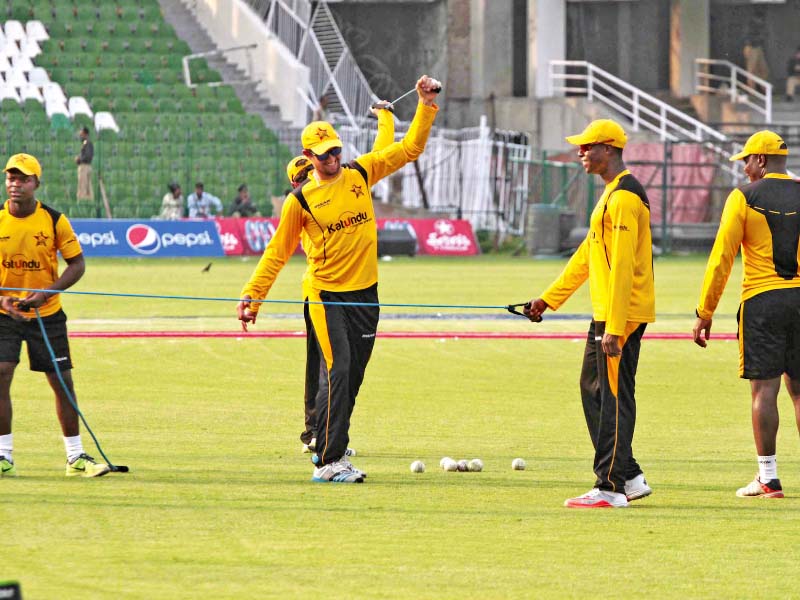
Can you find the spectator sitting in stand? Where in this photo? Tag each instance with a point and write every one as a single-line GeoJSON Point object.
{"type": "Point", "coordinates": [203, 205]}
{"type": "Point", "coordinates": [172, 203]}
{"type": "Point", "coordinates": [242, 205]}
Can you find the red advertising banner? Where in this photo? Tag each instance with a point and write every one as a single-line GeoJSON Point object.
{"type": "Point", "coordinates": [444, 237]}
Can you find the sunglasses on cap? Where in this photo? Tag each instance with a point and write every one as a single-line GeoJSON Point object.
{"type": "Point", "coordinates": [332, 152]}
{"type": "Point", "coordinates": [584, 148]}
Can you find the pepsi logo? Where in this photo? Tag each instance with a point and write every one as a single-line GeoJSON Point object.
{"type": "Point", "coordinates": [143, 239]}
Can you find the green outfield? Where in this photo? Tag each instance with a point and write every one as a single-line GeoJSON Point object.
{"type": "Point", "coordinates": [219, 503]}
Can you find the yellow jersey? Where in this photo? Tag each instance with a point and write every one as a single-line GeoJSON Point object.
{"type": "Point", "coordinates": [616, 257]}
{"type": "Point", "coordinates": [29, 252]}
{"type": "Point", "coordinates": [338, 219]}
{"type": "Point", "coordinates": [763, 218]}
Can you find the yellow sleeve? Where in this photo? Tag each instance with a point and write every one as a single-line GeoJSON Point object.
{"type": "Point", "coordinates": [572, 277]}
{"type": "Point", "coordinates": [726, 247]}
{"type": "Point", "coordinates": [66, 241]}
{"type": "Point", "coordinates": [623, 210]}
{"type": "Point", "coordinates": [278, 251]}
{"type": "Point", "coordinates": [385, 130]}
{"type": "Point", "coordinates": [378, 164]}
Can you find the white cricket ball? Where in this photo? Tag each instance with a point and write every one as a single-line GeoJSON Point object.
{"type": "Point", "coordinates": [462, 466]}
{"type": "Point", "coordinates": [444, 460]}
{"type": "Point", "coordinates": [475, 465]}
{"type": "Point", "coordinates": [518, 464]}
{"type": "Point", "coordinates": [450, 465]}
{"type": "Point", "coordinates": [417, 466]}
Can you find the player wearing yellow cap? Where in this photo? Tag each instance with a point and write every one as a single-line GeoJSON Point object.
{"type": "Point", "coordinates": [763, 219]}
{"type": "Point", "coordinates": [31, 236]}
{"type": "Point", "coordinates": [334, 208]}
{"type": "Point", "coordinates": [298, 170]}
{"type": "Point", "coordinates": [617, 259]}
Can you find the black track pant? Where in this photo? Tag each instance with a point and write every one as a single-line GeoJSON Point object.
{"type": "Point", "coordinates": [608, 392]}
{"type": "Point", "coordinates": [346, 336]}
{"type": "Point", "coordinates": [313, 374]}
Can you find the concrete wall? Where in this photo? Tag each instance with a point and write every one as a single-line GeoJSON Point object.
{"type": "Point", "coordinates": [233, 23]}
{"type": "Point", "coordinates": [394, 43]}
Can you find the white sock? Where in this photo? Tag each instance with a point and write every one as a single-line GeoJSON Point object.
{"type": "Point", "coordinates": [7, 446]}
{"type": "Point", "coordinates": [74, 447]}
{"type": "Point", "coordinates": [767, 468]}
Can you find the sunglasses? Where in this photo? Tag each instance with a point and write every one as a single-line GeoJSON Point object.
{"type": "Point", "coordinates": [584, 148]}
{"type": "Point", "coordinates": [332, 152]}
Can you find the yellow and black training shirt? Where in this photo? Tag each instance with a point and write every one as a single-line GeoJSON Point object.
{"type": "Point", "coordinates": [29, 252]}
{"type": "Point", "coordinates": [763, 218]}
{"type": "Point", "coordinates": [616, 257]}
{"type": "Point", "coordinates": [338, 219]}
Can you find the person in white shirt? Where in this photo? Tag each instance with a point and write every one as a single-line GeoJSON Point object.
{"type": "Point", "coordinates": [203, 205]}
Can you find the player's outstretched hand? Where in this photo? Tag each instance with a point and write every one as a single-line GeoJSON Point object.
{"type": "Point", "coordinates": [427, 89]}
{"type": "Point", "coordinates": [244, 313]}
{"type": "Point", "coordinates": [702, 331]}
{"type": "Point", "coordinates": [381, 105]}
{"type": "Point", "coordinates": [534, 309]}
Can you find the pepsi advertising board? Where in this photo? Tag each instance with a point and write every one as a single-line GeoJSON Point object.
{"type": "Point", "coordinates": [146, 238]}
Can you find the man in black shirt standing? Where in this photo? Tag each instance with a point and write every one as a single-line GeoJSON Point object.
{"type": "Point", "coordinates": [84, 161]}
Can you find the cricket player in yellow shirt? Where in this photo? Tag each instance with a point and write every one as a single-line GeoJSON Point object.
{"type": "Point", "coordinates": [333, 207]}
{"type": "Point", "coordinates": [617, 259]}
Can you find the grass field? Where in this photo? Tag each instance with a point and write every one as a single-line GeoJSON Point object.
{"type": "Point", "coordinates": [219, 504]}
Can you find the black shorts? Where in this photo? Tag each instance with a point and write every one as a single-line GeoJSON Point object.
{"type": "Point", "coordinates": [12, 334]}
{"type": "Point", "coordinates": [769, 335]}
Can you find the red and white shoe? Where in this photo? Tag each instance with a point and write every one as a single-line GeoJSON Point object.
{"type": "Point", "coordinates": [757, 489]}
{"type": "Point", "coordinates": [597, 498]}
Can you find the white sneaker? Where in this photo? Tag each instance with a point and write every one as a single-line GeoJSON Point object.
{"type": "Point", "coordinates": [597, 498]}
{"type": "Point", "coordinates": [637, 488]}
{"type": "Point", "coordinates": [337, 472]}
{"type": "Point", "coordinates": [346, 461]}
{"type": "Point", "coordinates": [310, 446]}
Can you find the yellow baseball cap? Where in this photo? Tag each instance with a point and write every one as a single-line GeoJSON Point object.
{"type": "Point", "coordinates": [602, 131]}
{"type": "Point", "coordinates": [296, 166]}
{"type": "Point", "coordinates": [319, 137]}
{"type": "Point", "coordinates": [762, 142]}
{"type": "Point", "coordinates": [25, 163]}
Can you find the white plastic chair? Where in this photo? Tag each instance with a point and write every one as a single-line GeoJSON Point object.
{"type": "Point", "coordinates": [105, 120]}
{"type": "Point", "coordinates": [16, 78]}
{"type": "Point", "coordinates": [36, 31]}
{"type": "Point", "coordinates": [2, 38]}
{"type": "Point", "coordinates": [10, 49]}
{"type": "Point", "coordinates": [55, 107]}
{"type": "Point", "coordinates": [31, 92]}
{"type": "Point", "coordinates": [21, 63]}
{"type": "Point", "coordinates": [30, 48]}
{"type": "Point", "coordinates": [5, 65]}
{"type": "Point", "coordinates": [79, 106]}
{"type": "Point", "coordinates": [8, 92]}
{"type": "Point", "coordinates": [15, 31]}
{"type": "Point", "coordinates": [52, 92]}
{"type": "Point", "coordinates": [38, 76]}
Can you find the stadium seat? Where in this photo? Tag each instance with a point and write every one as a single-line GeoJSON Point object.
{"type": "Point", "coordinates": [30, 48]}
{"type": "Point", "coordinates": [14, 31]}
{"type": "Point", "coordinates": [9, 93]}
{"type": "Point", "coordinates": [52, 92]}
{"type": "Point", "coordinates": [21, 63]}
{"type": "Point", "coordinates": [15, 78]}
{"type": "Point", "coordinates": [78, 105]}
{"type": "Point", "coordinates": [38, 77]}
{"type": "Point", "coordinates": [9, 49]}
{"type": "Point", "coordinates": [56, 108]}
{"type": "Point", "coordinates": [5, 64]}
{"type": "Point", "coordinates": [36, 31]}
{"type": "Point", "coordinates": [31, 92]}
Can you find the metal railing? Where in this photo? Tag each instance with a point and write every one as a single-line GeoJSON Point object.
{"type": "Point", "coordinates": [578, 77]}
{"type": "Point", "coordinates": [723, 78]}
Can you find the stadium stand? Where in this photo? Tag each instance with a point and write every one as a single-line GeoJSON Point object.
{"type": "Point", "coordinates": [116, 67]}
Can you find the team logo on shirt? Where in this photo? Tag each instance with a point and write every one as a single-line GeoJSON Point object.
{"type": "Point", "coordinates": [143, 239]}
{"type": "Point", "coordinates": [348, 221]}
{"type": "Point", "coordinates": [356, 189]}
{"type": "Point", "coordinates": [19, 264]}
{"type": "Point", "coordinates": [41, 238]}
